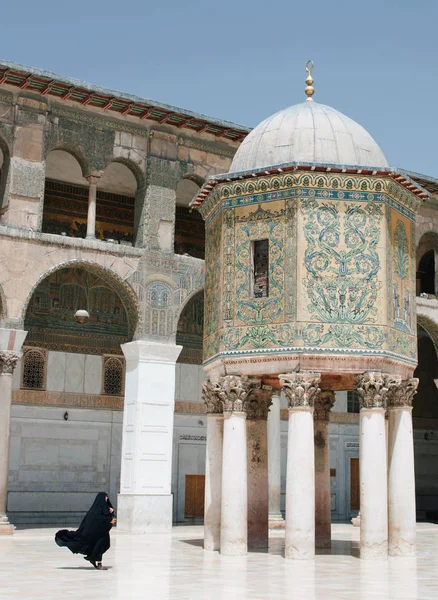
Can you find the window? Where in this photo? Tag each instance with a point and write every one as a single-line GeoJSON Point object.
{"type": "Point", "coordinates": [113, 375]}
{"type": "Point", "coordinates": [353, 402]}
{"type": "Point", "coordinates": [33, 370]}
{"type": "Point", "coordinates": [260, 254]}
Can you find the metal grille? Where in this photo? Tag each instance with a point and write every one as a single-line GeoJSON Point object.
{"type": "Point", "coordinates": [33, 369]}
{"type": "Point", "coordinates": [113, 376]}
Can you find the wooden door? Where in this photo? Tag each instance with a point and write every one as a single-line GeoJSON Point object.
{"type": "Point", "coordinates": [194, 496]}
{"type": "Point", "coordinates": [354, 484]}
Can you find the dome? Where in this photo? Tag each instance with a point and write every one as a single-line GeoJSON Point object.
{"type": "Point", "coordinates": [308, 133]}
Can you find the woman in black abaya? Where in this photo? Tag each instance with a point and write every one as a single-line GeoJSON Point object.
{"type": "Point", "coordinates": [92, 538]}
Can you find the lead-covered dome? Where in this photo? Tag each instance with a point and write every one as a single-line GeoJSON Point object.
{"type": "Point", "coordinates": [308, 133]}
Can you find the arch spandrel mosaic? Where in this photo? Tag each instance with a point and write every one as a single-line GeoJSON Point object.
{"type": "Point", "coordinates": [341, 274]}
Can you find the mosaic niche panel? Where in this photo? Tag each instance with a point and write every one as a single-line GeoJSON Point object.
{"type": "Point", "coordinates": [159, 312]}
{"type": "Point", "coordinates": [66, 207]}
{"type": "Point", "coordinates": [33, 369]}
{"type": "Point", "coordinates": [50, 318]}
{"type": "Point", "coordinates": [189, 332]}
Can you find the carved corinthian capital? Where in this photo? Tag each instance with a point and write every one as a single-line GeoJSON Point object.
{"type": "Point", "coordinates": [213, 404]}
{"type": "Point", "coordinates": [258, 404]}
{"type": "Point", "coordinates": [300, 388]}
{"type": "Point", "coordinates": [235, 391]}
{"type": "Point", "coordinates": [324, 402]}
{"type": "Point", "coordinates": [373, 388]}
{"type": "Point", "coordinates": [8, 361]}
{"type": "Point", "coordinates": [403, 394]}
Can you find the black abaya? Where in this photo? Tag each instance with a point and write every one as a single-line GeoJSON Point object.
{"type": "Point", "coordinates": [92, 538]}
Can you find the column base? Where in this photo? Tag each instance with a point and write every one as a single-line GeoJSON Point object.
{"type": "Point", "coordinates": [276, 521]}
{"type": "Point", "coordinates": [144, 514]}
{"type": "Point", "coordinates": [6, 528]}
{"type": "Point", "coordinates": [356, 520]}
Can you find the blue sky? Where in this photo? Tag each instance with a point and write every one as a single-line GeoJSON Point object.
{"type": "Point", "coordinates": [243, 60]}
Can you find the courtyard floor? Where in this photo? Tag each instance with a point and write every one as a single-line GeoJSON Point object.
{"type": "Point", "coordinates": [158, 567]}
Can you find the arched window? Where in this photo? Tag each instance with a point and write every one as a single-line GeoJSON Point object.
{"type": "Point", "coordinates": [33, 369]}
{"type": "Point", "coordinates": [115, 204]}
{"type": "Point", "coordinates": [113, 375]}
{"type": "Point", "coordinates": [426, 273]}
{"type": "Point", "coordinates": [189, 226]}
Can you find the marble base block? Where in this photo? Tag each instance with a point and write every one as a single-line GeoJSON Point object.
{"type": "Point", "coordinates": [276, 521]}
{"type": "Point", "coordinates": [144, 513]}
{"type": "Point", "coordinates": [6, 528]}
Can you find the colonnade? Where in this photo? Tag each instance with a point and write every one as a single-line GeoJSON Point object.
{"type": "Point", "coordinates": [237, 504]}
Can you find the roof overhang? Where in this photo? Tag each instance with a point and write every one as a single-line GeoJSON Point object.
{"type": "Point", "coordinates": [111, 101]}
{"type": "Point", "coordinates": [402, 177]}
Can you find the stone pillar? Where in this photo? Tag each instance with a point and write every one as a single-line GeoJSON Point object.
{"type": "Point", "coordinates": [145, 499]}
{"type": "Point", "coordinates": [300, 390]}
{"type": "Point", "coordinates": [213, 468]}
{"type": "Point", "coordinates": [401, 472]}
{"type": "Point", "coordinates": [8, 361]}
{"type": "Point", "coordinates": [274, 463]}
{"type": "Point", "coordinates": [91, 217]}
{"type": "Point", "coordinates": [373, 389]}
{"type": "Point", "coordinates": [234, 392]}
{"type": "Point", "coordinates": [258, 492]}
{"type": "Point", "coordinates": [324, 402]}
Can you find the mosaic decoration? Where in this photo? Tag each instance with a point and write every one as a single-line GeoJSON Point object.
{"type": "Point", "coordinates": [328, 244]}
{"type": "Point", "coordinates": [189, 333]}
{"type": "Point", "coordinates": [50, 319]}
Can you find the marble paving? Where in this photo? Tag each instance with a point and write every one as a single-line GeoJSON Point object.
{"type": "Point", "coordinates": [174, 566]}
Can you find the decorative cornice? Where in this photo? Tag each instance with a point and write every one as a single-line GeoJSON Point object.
{"type": "Point", "coordinates": [234, 392]}
{"type": "Point", "coordinates": [300, 388]}
{"type": "Point", "coordinates": [373, 388]}
{"type": "Point", "coordinates": [403, 394]}
{"type": "Point", "coordinates": [259, 403]}
{"type": "Point", "coordinates": [213, 404]}
{"type": "Point", "coordinates": [324, 402]}
{"type": "Point", "coordinates": [8, 361]}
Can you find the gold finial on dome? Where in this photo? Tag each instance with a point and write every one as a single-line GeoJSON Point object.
{"type": "Point", "coordinates": [310, 90]}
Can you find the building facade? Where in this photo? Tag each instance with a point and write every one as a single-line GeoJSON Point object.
{"type": "Point", "coordinates": [95, 189]}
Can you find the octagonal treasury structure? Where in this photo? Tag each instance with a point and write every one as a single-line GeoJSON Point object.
{"type": "Point", "coordinates": [310, 267]}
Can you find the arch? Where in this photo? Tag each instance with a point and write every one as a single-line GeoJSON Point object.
{"type": "Point", "coordinates": [188, 299]}
{"type": "Point", "coordinates": [189, 235]}
{"type": "Point", "coordinates": [190, 329]}
{"type": "Point", "coordinates": [430, 328]}
{"type": "Point", "coordinates": [112, 279]}
{"type": "Point", "coordinates": [77, 153]}
{"type": "Point", "coordinates": [5, 158]}
{"type": "Point", "coordinates": [426, 401]}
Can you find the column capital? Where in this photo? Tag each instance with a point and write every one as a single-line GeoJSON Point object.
{"type": "Point", "coordinates": [324, 402]}
{"type": "Point", "coordinates": [213, 404]}
{"type": "Point", "coordinates": [300, 388]}
{"type": "Point", "coordinates": [94, 177]}
{"type": "Point", "coordinates": [259, 403]}
{"type": "Point", "coordinates": [234, 392]}
{"type": "Point", "coordinates": [403, 394]}
{"type": "Point", "coordinates": [374, 387]}
{"type": "Point", "coordinates": [8, 361]}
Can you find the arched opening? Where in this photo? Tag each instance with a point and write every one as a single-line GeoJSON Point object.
{"type": "Point", "coordinates": [65, 196]}
{"type": "Point", "coordinates": [188, 486]}
{"type": "Point", "coordinates": [425, 417]}
{"type": "Point", "coordinates": [426, 277]}
{"type": "Point", "coordinates": [4, 168]}
{"type": "Point", "coordinates": [426, 273]}
{"type": "Point", "coordinates": [115, 205]}
{"type": "Point", "coordinates": [189, 225]}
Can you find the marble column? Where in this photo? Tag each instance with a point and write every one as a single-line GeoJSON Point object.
{"type": "Point", "coordinates": [213, 468]}
{"type": "Point", "coordinates": [274, 463]}
{"type": "Point", "coordinates": [373, 389]}
{"type": "Point", "coordinates": [234, 392]}
{"type": "Point", "coordinates": [91, 216]}
{"type": "Point", "coordinates": [145, 499]}
{"type": "Point", "coordinates": [258, 492]}
{"type": "Point", "coordinates": [300, 390]}
{"type": "Point", "coordinates": [8, 361]}
{"type": "Point", "coordinates": [324, 402]}
{"type": "Point", "coordinates": [401, 472]}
